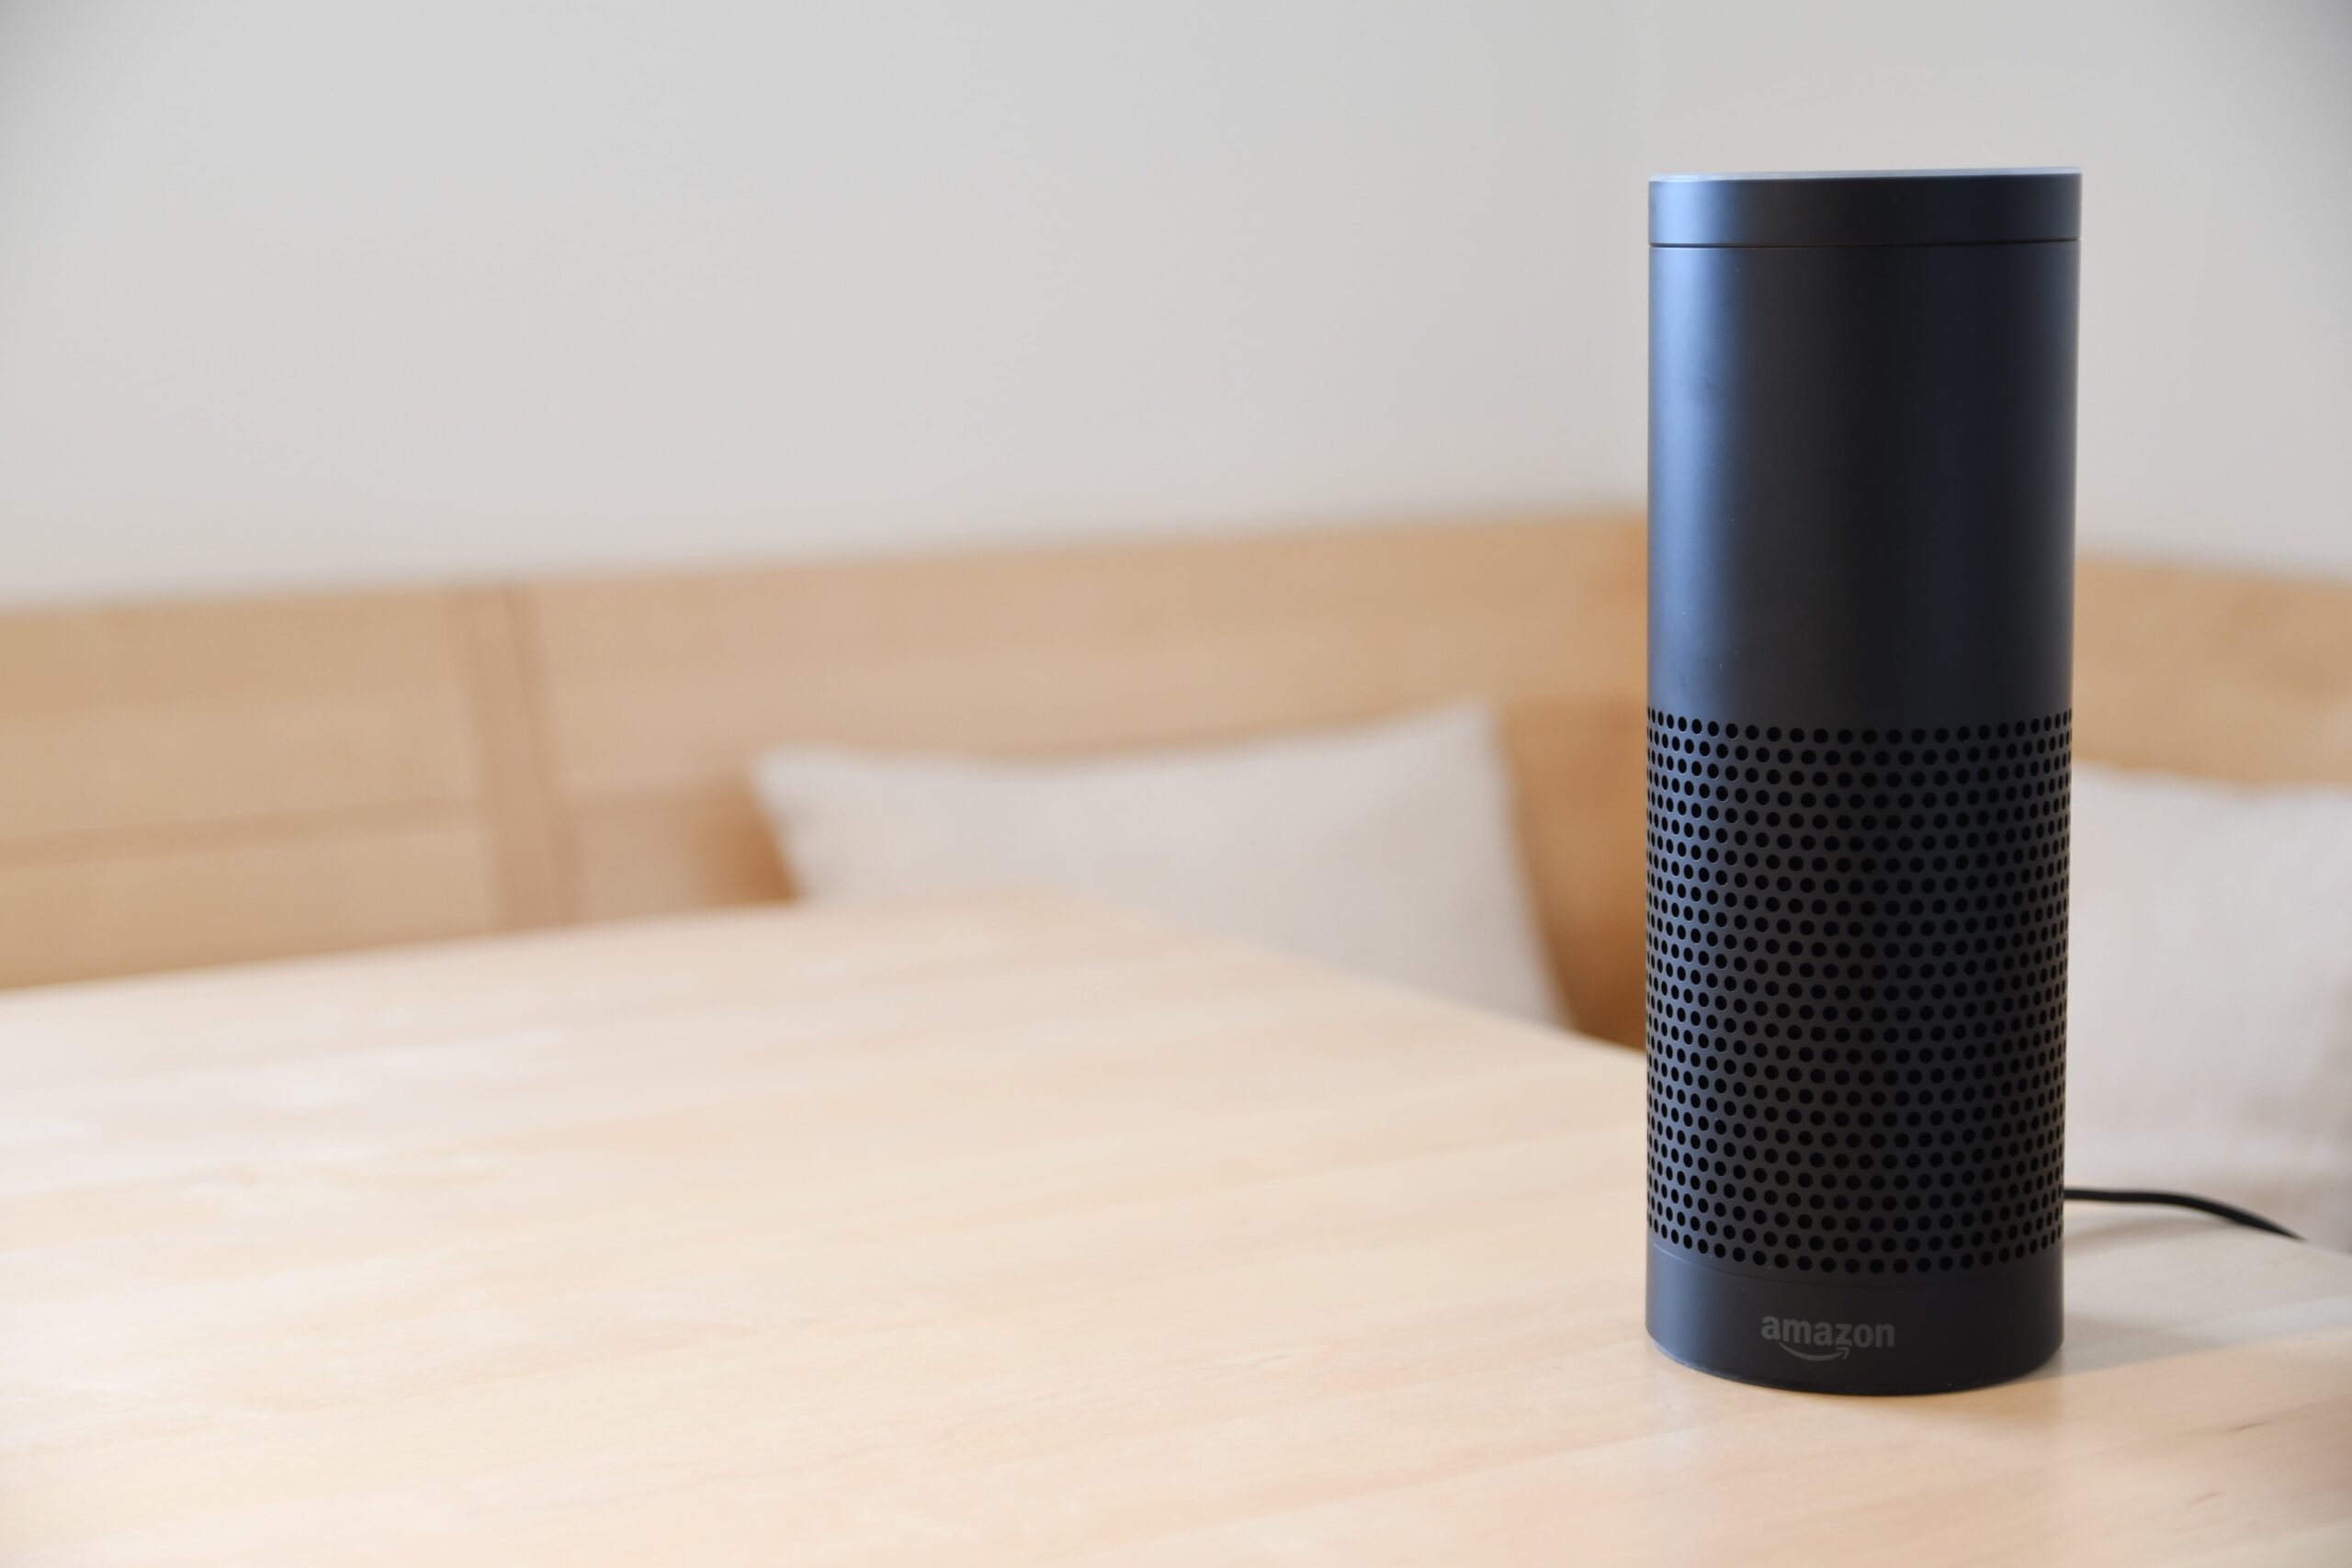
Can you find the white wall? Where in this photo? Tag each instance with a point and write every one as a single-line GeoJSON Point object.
{"type": "Point", "coordinates": [294, 293]}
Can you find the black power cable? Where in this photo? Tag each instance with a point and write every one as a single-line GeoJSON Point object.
{"type": "Point", "coordinates": [2229, 1211]}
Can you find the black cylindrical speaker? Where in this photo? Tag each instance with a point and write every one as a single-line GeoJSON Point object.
{"type": "Point", "coordinates": [1860, 613]}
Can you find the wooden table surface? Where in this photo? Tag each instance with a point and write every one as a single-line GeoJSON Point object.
{"type": "Point", "coordinates": [985, 1232]}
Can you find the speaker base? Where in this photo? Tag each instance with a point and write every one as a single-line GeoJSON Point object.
{"type": "Point", "coordinates": [1831, 1337]}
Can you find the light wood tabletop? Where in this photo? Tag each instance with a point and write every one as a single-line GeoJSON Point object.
{"type": "Point", "coordinates": [993, 1231]}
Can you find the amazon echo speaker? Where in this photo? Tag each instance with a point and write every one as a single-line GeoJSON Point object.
{"type": "Point", "coordinates": [1861, 608]}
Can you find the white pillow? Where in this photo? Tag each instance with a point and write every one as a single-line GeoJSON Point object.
{"type": "Point", "coordinates": [2210, 995]}
{"type": "Point", "coordinates": [1383, 848]}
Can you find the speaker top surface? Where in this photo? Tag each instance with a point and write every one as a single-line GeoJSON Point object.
{"type": "Point", "coordinates": [1905, 206]}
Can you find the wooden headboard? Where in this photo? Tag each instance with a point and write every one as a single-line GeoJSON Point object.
{"type": "Point", "coordinates": [193, 783]}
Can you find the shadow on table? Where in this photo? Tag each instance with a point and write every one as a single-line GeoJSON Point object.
{"type": "Point", "coordinates": [2097, 1341]}
{"type": "Point", "coordinates": [2095, 1344]}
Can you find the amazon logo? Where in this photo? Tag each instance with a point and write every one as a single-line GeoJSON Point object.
{"type": "Point", "coordinates": [1809, 1340]}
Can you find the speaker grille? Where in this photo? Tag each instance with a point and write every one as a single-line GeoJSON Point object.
{"type": "Point", "coordinates": [1856, 994]}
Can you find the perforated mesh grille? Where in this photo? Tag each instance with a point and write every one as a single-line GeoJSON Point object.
{"type": "Point", "coordinates": [1856, 994]}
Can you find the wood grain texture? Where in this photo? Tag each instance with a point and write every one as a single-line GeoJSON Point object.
{"type": "Point", "coordinates": [136, 717]}
{"type": "Point", "coordinates": [185, 783]}
{"type": "Point", "coordinates": [665, 682]}
{"type": "Point", "coordinates": [526, 834]}
{"type": "Point", "coordinates": [2223, 675]}
{"type": "Point", "coordinates": [993, 1232]}
{"type": "Point", "coordinates": [190, 898]}
{"type": "Point", "coordinates": [698, 848]}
